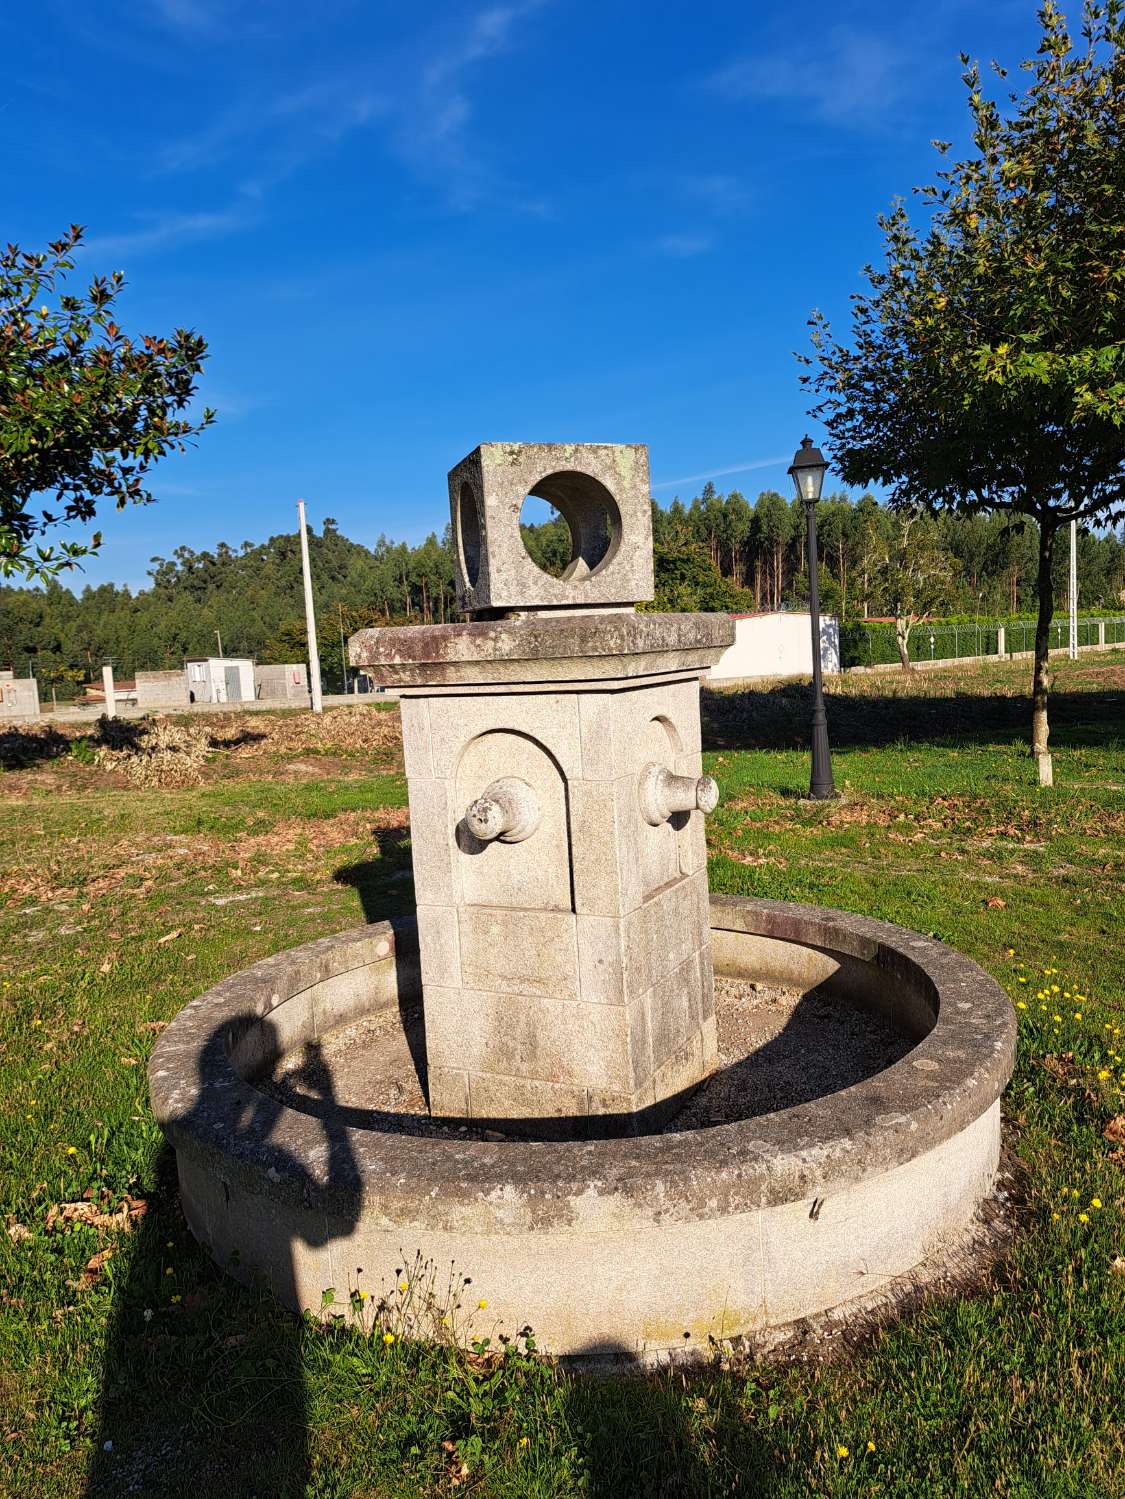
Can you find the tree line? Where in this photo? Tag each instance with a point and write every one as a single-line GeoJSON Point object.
{"type": "Point", "coordinates": [716, 552]}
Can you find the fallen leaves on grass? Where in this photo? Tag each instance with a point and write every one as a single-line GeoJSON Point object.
{"type": "Point", "coordinates": [94, 1267]}
{"type": "Point", "coordinates": [995, 903]}
{"type": "Point", "coordinates": [17, 1231]}
{"type": "Point", "coordinates": [121, 1220]}
{"type": "Point", "coordinates": [1115, 1130]}
{"type": "Point", "coordinates": [169, 936]}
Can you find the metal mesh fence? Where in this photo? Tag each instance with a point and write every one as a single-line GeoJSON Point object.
{"type": "Point", "coordinates": [962, 641]}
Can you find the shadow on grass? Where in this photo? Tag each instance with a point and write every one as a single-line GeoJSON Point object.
{"type": "Point", "coordinates": [385, 885]}
{"type": "Point", "coordinates": [778, 717]}
{"type": "Point", "coordinates": [20, 749]}
{"type": "Point", "coordinates": [644, 1434]}
{"type": "Point", "coordinates": [203, 1388]}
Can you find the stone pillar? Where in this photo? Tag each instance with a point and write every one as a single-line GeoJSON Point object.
{"type": "Point", "coordinates": [556, 803]}
{"type": "Point", "coordinates": [110, 697]}
{"type": "Point", "coordinates": [1000, 640]}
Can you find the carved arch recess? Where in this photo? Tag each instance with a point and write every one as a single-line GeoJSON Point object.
{"type": "Point", "coordinates": [503, 874]}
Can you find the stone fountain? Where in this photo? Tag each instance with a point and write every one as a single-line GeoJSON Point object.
{"type": "Point", "coordinates": [555, 1001]}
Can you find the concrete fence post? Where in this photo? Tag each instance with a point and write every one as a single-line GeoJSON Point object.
{"type": "Point", "coordinates": [999, 640]}
{"type": "Point", "coordinates": [110, 699]}
{"type": "Point", "coordinates": [1101, 633]}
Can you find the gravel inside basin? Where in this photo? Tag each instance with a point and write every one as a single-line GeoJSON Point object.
{"type": "Point", "coordinates": [777, 1048]}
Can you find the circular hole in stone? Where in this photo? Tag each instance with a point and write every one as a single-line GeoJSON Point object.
{"type": "Point", "coordinates": [570, 526]}
{"type": "Point", "coordinates": [468, 534]}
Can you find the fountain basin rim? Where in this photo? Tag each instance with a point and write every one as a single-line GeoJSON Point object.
{"type": "Point", "coordinates": [943, 1085]}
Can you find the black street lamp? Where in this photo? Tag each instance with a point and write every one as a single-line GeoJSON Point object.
{"type": "Point", "coordinates": [808, 470]}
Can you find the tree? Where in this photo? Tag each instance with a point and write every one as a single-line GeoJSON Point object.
{"type": "Point", "coordinates": [84, 410]}
{"type": "Point", "coordinates": [687, 580]}
{"type": "Point", "coordinates": [912, 570]}
{"type": "Point", "coordinates": [986, 367]}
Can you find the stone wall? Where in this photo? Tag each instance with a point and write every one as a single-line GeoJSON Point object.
{"type": "Point", "coordinates": [161, 689]}
{"type": "Point", "coordinates": [289, 683]}
{"type": "Point", "coordinates": [19, 696]}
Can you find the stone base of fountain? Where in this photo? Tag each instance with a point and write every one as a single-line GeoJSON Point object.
{"type": "Point", "coordinates": [639, 1247]}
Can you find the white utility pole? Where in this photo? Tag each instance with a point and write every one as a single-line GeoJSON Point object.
{"type": "Point", "coordinates": [310, 616]}
{"type": "Point", "coordinates": [110, 692]}
{"type": "Point", "coordinates": [1074, 590]}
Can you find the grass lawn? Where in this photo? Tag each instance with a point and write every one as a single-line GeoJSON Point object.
{"type": "Point", "coordinates": [129, 1365]}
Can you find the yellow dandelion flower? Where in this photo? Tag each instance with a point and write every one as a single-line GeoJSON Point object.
{"type": "Point", "coordinates": [1057, 1019]}
{"type": "Point", "coordinates": [1083, 1217]}
{"type": "Point", "coordinates": [1095, 1202]}
{"type": "Point", "coordinates": [70, 1150]}
{"type": "Point", "coordinates": [388, 1338]}
{"type": "Point", "coordinates": [363, 1295]}
{"type": "Point", "coordinates": [1078, 1014]}
{"type": "Point", "coordinates": [1020, 1005]}
{"type": "Point", "coordinates": [169, 1271]}
{"type": "Point", "coordinates": [841, 1451]}
{"type": "Point", "coordinates": [37, 1022]}
{"type": "Point", "coordinates": [1074, 1191]}
{"type": "Point", "coordinates": [402, 1285]}
{"type": "Point", "coordinates": [1011, 952]}
{"type": "Point", "coordinates": [1054, 988]}
{"type": "Point", "coordinates": [1054, 1217]}
{"type": "Point", "coordinates": [1103, 1074]}
{"type": "Point", "coordinates": [482, 1303]}
{"type": "Point", "coordinates": [1021, 979]}
{"type": "Point", "coordinates": [524, 1441]}
{"type": "Point", "coordinates": [871, 1446]}
{"type": "Point", "coordinates": [175, 1299]}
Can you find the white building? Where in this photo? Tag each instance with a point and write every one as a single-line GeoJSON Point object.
{"type": "Point", "coordinates": [220, 679]}
{"type": "Point", "coordinates": [776, 645]}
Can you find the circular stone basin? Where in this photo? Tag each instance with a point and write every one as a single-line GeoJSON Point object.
{"type": "Point", "coordinates": [291, 1094]}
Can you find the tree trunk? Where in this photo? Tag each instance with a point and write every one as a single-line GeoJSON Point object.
{"type": "Point", "coordinates": [902, 641]}
{"type": "Point", "coordinates": [1041, 680]}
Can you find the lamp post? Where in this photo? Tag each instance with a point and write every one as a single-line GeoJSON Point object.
{"type": "Point", "coordinates": [807, 471]}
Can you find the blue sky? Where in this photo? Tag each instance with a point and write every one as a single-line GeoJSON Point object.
{"type": "Point", "coordinates": [406, 229]}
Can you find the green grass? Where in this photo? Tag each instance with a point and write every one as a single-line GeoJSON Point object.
{"type": "Point", "coordinates": [204, 1387]}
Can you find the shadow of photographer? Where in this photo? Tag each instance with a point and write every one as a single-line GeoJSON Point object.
{"type": "Point", "coordinates": [203, 1385]}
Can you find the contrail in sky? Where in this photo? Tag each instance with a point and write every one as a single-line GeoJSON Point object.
{"type": "Point", "coordinates": [718, 473]}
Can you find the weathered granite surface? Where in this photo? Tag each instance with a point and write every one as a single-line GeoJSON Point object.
{"type": "Point", "coordinates": [633, 1240]}
{"type": "Point", "coordinates": [542, 648]}
{"type": "Point", "coordinates": [600, 489]}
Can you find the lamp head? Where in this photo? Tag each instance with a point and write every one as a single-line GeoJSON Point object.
{"type": "Point", "coordinates": [807, 471]}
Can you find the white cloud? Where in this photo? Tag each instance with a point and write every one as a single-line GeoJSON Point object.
{"type": "Point", "coordinates": [431, 136]}
{"type": "Point", "coordinates": [684, 246]}
{"type": "Point", "coordinates": [424, 106]}
{"type": "Point", "coordinates": [170, 230]}
{"type": "Point", "coordinates": [718, 192]}
{"type": "Point", "coordinates": [852, 78]}
{"type": "Point", "coordinates": [720, 473]}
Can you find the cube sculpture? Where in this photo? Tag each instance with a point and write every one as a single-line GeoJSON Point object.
{"type": "Point", "coordinates": [552, 750]}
